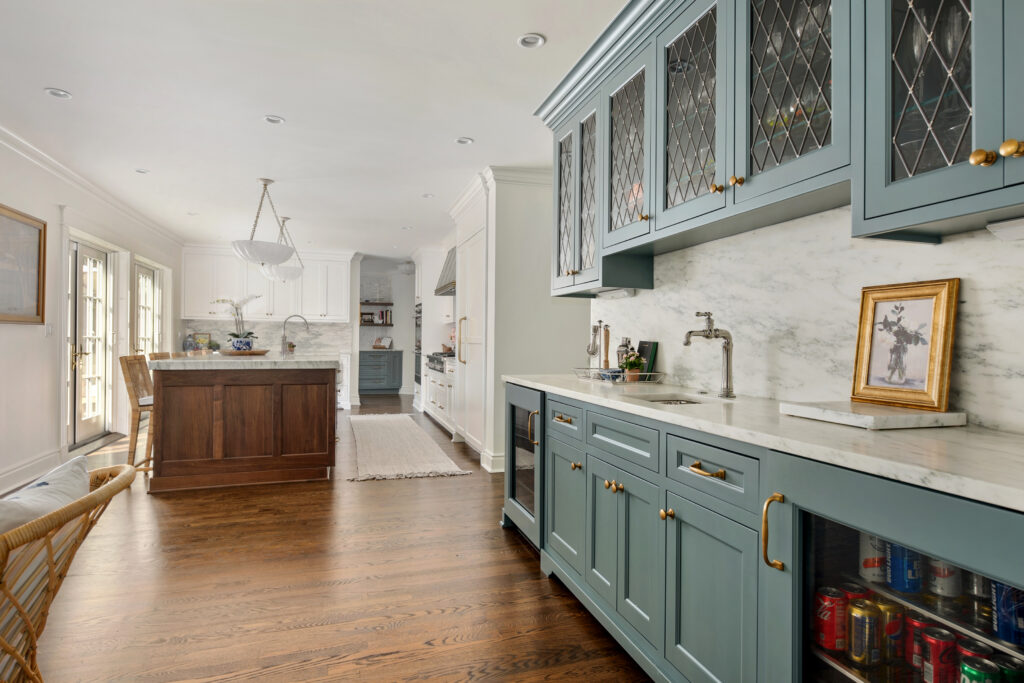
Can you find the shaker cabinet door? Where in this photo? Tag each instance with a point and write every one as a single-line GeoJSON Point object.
{"type": "Point", "coordinates": [641, 578]}
{"type": "Point", "coordinates": [602, 540]}
{"type": "Point", "coordinates": [566, 493]}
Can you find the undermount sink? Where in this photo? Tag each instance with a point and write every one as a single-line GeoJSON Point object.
{"type": "Point", "coordinates": [668, 400]}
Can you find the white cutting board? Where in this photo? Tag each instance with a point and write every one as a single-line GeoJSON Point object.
{"type": "Point", "coordinates": [872, 416]}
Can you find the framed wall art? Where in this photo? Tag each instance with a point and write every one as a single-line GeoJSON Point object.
{"type": "Point", "coordinates": [22, 267]}
{"type": "Point", "coordinates": [905, 344]}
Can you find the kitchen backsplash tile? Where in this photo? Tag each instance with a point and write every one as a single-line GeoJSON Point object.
{"type": "Point", "coordinates": [790, 295]}
{"type": "Point", "coordinates": [322, 338]}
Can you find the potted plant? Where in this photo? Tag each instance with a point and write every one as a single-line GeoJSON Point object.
{"type": "Point", "coordinates": [241, 339]}
{"type": "Point", "coordinates": [631, 364]}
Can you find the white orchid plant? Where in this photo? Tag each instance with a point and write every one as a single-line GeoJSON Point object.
{"type": "Point", "coordinates": [236, 313]}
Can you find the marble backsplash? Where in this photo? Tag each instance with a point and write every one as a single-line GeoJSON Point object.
{"type": "Point", "coordinates": [790, 295]}
{"type": "Point", "coordinates": [322, 338]}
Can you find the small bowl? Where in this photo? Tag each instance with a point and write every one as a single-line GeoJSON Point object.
{"type": "Point", "coordinates": [612, 374]}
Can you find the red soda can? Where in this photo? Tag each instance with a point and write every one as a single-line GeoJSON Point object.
{"type": "Point", "coordinates": [913, 624]}
{"type": "Point", "coordinates": [854, 591]}
{"type": "Point", "coordinates": [939, 663]}
{"type": "Point", "coordinates": [969, 647]}
{"type": "Point", "coordinates": [830, 606]}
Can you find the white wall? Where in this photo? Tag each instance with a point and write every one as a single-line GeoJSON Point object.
{"type": "Point", "coordinates": [31, 361]}
{"type": "Point", "coordinates": [790, 295]}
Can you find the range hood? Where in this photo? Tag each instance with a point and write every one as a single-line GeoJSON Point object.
{"type": "Point", "coordinates": [446, 283]}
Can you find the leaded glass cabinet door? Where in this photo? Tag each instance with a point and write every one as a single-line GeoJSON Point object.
{"type": "Point", "coordinates": [588, 265]}
{"type": "Point", "coordinates": [628, 105]}
{"type": "Point", "coordinates": [1013, 124]}
{"type": "Point", "coordinates": [792, 102]}
{"type": "Point", "coordinates": [563, 261]}
{"type": "Point", "coordinates": [934, 93]}
{"type": "Point", "coordinates": [691, 139]}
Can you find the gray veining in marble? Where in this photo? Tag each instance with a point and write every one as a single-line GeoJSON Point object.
{"type": "Point", "coordinates": [320, 339]}
{"type": "Point", "coordinates": [790, 295]}
{"type": "Point", "coordinates": [268, 362]}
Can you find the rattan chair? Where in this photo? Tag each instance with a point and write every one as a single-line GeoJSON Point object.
{"type": "Point", "coordinates": [34, 559]}
{"type": "Point", "coordinates": [139, 384]}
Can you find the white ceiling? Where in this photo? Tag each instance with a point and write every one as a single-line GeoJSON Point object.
{"type": "Point", "coordinates": [374, 93]}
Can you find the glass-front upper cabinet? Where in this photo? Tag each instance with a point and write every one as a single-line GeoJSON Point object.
{"type": "Point", "coordinates": [792, 96]}
{"type": "Point", "coordinates": [576, 199]}
{"type": "Point", "coordinates": [691, 138]}
{"type": "Point", "coordinates": [628, 103]}
{"type": "Point", "coordinates": [564, 261]}
{"type": "Point", "coordinates": [934, 101]}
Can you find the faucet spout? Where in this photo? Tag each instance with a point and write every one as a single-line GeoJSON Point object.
{"type": "Point", "coordinates": [284, 330]}
{"type": "Point", "coordinates": [712, 332]}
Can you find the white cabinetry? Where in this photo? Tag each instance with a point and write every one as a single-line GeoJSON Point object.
{"type": "Point", "coordinates": [325, 286]}
{"type": "Point", "coordinates": [471, 325]}
{"type": "Point", "coordinates": [208, 275]}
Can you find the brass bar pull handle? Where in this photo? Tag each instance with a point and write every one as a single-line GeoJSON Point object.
{"type": "Point", "coordinates": [563, 419]}
{"type": "Point", "coordinates": [1011, 148]}
{"type": "Point", "coordinates": [529, 427]}
{"type": "Point", "coordinates": [697, 469]}
{"type": "Point", "coordinates": [459, 344]}
{"type": "Point", "coordinates": [774, 564]}
{"type": "Point", "coordinates": [667, 514]}
{"type": "Point", "coordinates": [982, 157]}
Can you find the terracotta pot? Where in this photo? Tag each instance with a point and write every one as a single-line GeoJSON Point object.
{"type": "Point", "coordinates": [633, 375]}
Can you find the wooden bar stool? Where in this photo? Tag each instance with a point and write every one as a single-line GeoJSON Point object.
{"type": "Point", "coordinates": [139, 384]}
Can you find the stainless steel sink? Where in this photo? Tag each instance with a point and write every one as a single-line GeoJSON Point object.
{"type": "Point", "coordinates": [668, 400]}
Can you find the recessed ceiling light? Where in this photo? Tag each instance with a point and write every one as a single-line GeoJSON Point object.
{"type": "Point", "coordinates": [531, 40]}
{"type": "Point", "coordinates": [193, 213]}
{"type": "Point", "coordinates": [273, 118]}
{"type": "Point", "coordinates": [58, 93]}
{"type": "Point", "coordinates": [142, 171]}
{"type": "Point", "coordinates": [465, 141]}
{"type": "Point", "coordinates": [406, 227]}
{"type": "Point", "coordinates": [427, 195]}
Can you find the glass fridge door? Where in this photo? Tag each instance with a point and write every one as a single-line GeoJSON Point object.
{"type": "Point", "coordinates": [523, 462]}
{"type": "Point", "coordinates": [881, 611]}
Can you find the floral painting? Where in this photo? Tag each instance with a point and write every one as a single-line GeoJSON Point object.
{"type": "Point", "coordinates": [899, 345]}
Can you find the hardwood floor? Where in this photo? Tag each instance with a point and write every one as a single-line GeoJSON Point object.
{"type": "Point", "coordinates": [322, 581]}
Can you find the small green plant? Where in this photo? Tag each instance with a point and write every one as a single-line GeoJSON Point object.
{"type": "Point", "coordinates": [631, 361]}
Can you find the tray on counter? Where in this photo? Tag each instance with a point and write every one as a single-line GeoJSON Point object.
{"type": "Point", "coordinates": [251, 352]}
{"type": "Point", "coordinates": [617, 375]}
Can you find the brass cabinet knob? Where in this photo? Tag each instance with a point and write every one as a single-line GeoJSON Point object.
{"type": "Point", "coordinates": [644, 217]}
{"type": "Point", "coordinates": [982, 157]}
{"type": "Point", "coordinates": [1011, 148]}
{"type": "Point", "coordinates": [716, 189]}
{"type": "Point", "coordinates": [618, 488]}
{"type": "Point", "coordinates": [572, 466]}
{"type": "Point", "coordinates": [667, 514]}
{"type": "Point", "coordinates": [733, 180]}
{"type": "Point", "coordinates": [607, 484]}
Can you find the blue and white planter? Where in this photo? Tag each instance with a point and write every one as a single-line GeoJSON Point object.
{"type": "Point", "coordinates": [241, 344]}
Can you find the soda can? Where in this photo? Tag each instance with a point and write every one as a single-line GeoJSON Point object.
{"type": "Point", "coordinates": [1011, 669]}
{"type": "Point", "coordinates": [892, 629]}
{"type": "Point", "coordinates": [1008, 613]}
{"type": "Point", "coordinates": [944, 579]}
{"type": "Point", "coordinates": [938, 660]}
{"type": "Point", "coordinates": [902, 568]}
{"type": "Point", "coordinates": [977, 670]}
{"type": "Point", "coordinates": [830, 618]}
{"type": "Point", "coordinates": [913, 625]}
{"type": "Point", "coordinates": [854, 591]}
{"type": "Point", "coordinates": [872, 558]}
{"type": "Point", "coordinates": [977, 585]}
{"type": "Point", "coordinates": [969, 647]}
{"type": "Point", "coordinates": [865, 633]}
{"type": "Point", "coordinates": [978, 613]}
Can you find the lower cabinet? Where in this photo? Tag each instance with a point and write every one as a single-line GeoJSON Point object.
{"type": "Point", "coordinates": [380, 372]}
{"type": "Point", "coordinates": [565, 502]}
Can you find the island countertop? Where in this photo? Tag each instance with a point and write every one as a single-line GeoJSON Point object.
{"type": "Point", "coordinates": [271, 361]}
{"type": "Point", "coordinates": [972, 462]}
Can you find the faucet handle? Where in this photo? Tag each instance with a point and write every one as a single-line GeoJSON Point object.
{"type": "Point", "coordinates": [703, 315]}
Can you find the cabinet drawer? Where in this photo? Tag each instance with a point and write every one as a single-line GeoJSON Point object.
{"type": "Point", "coordinates": [629, 441]}
{"type": "Point", "coordinates": [565, 420]}
{"type": "Point", "coordinates": [738, 474]}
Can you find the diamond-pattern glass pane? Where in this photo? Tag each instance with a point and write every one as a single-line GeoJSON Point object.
{"type": "Point", "coordinates": [690, 112]}
{"type": "Point", "coordinates": [565, 190]}
{"type": "Point", "coordinates": [588, 192]}
{"type": "Point", "coordinates": [791, 80]}
{"type": "Point", "coordinates": [627, 153]}
{"type": "Point", "coordinates": [931, 85]}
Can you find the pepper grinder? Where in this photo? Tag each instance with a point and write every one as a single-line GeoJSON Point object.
{"type": "Point", "coordinates": [606, 339]}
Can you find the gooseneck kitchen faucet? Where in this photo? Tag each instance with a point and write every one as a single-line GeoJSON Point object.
{"type": "Point", "coordinates": [712, 332]}
{"type": "Point", "coordinates": [284, 330]}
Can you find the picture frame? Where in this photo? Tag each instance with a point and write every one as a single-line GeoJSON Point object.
{"type": "Point", "coordinates": [905, 344]}
{"type": "Point", "coordinates": [22, 267]}
{"type": "Point", "coordinates": [366, 318]}
{"type": "Point", "coordinates": [202, 339]}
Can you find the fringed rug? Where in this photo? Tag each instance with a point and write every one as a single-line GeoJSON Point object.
{"type": "Point", "coordinates": [395, 447]}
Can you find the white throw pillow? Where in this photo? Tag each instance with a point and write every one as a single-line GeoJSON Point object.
{"type": "Point", "coordinates": [52, 491]}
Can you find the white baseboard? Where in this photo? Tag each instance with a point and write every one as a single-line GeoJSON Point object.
{"type": "Point", "coordinates": [492, 462]}
{"type": "Point", "coordinates": [23, 473]}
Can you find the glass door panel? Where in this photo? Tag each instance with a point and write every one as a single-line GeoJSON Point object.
{"type": "Point", "coordinates": [881, 611]}
{"type": "Point", "coordinates": [587, 243]}
{"type": "Point", "coordinates": [89, 348]}
{"type": "Point", "coordinates": [524, 458]}
{"type": "Point", "coordinates": [524, 426]}
{"type": "Point", "coordinates": [146, 322]}
{"type": "Point", "coordinates": [566, 253]}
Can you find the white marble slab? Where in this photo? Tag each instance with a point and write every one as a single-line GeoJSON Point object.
{"type": "Point", "coordinates": [871, 416]}
{"type": "Point", "coordinates": [970, 461]}
{"type": "Point", "coordinates": [269, 362]}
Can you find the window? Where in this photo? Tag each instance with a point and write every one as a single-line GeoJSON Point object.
{"type": "Point", "coordinates": [147, 322]}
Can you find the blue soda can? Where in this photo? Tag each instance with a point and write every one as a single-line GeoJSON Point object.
{"type": "Point", "coordinates": [1008, 613]}
{"type": "Point", "coordinates": [902, 568]}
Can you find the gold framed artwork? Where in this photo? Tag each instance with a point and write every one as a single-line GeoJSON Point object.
{"type": "Point", "coordinates": [22, 267]}
{"type": "Point", "coordinates": [905, 344]}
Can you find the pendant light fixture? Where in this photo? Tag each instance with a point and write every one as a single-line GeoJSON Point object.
{"type": "Point", "coordinates": [262, 252]}
{"type": "Point", "coordinates": [288, 270]}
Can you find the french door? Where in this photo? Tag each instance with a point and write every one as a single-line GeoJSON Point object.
{"type": "Point", "coordinates": [146, 321]}
{"type": "Point", "coordinates": [88, 335]}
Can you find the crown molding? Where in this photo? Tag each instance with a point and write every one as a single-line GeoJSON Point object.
{"type": "Point", "coordinates": [519, 175]}
{"type": "Point", "coordinates": [475, 188]}
{"type": "Point", "coordinates": [26, 150]}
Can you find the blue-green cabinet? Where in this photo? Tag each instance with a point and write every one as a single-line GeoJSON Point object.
{"type": "Point", "coordinates": [602, 530]}
{"type": "Point", "coordinates": [380, 372]}
{"type": "Point", "coordinates": [524, 461]}
{"type": "Point", "coordinates": [565, 502]}
{"type": "Point", "coordinates": [711, 594]}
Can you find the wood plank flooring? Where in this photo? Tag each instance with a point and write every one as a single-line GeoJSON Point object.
{"type": "Point", "coordinates": [323, 581]}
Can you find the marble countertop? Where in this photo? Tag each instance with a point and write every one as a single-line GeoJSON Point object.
{"type": "Point", "coordinates": [271, 361]}
{"type": "Point", "coordinates": [972, 462]}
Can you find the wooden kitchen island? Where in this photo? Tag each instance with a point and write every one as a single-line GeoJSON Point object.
{"type": "Point", "coordinates": [225, 421]}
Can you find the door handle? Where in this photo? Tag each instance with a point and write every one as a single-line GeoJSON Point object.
{"type": "Point", "coordinates": [461, 320]}
{"type": "Point", "coordinates": [774, 564]}
{"type": "Point", "coordinates": [697, 469]}
{"type": "Point", "coordinates": [529, 427]}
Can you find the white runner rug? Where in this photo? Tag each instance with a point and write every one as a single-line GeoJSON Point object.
{"type": "Point", "coordinates": [395, 447]}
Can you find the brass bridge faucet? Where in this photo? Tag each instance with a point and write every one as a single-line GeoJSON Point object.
{"type": "Point", "coordinates": [712, 332]}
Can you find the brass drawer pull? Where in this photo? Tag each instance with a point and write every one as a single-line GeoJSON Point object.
{"type": "Point", "coordinates": [774, 564]}
{"type": "Point", "coordinates": [563, 419]}
{"type": "Point", "coordinates": [697, 469]}
{"type": "Point", "coordinates": [667, 514]}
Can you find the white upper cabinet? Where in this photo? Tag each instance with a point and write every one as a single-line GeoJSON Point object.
{"type": "Point", "coordinates": [321, 294]}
